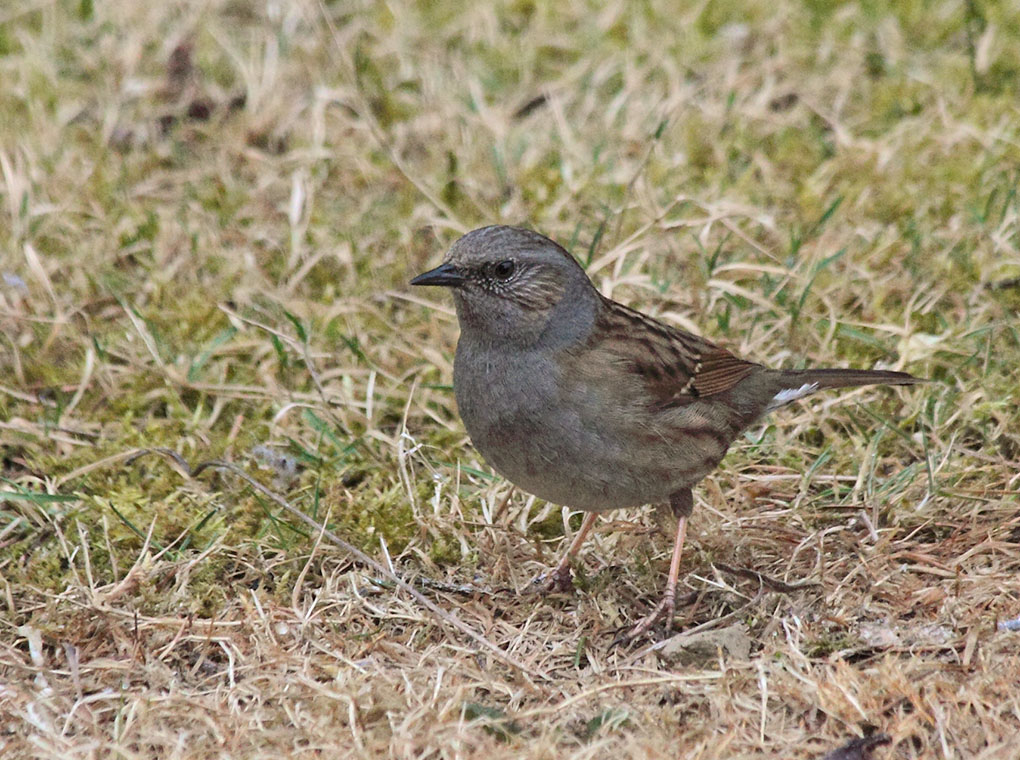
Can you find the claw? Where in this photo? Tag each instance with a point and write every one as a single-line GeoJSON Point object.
{"type": "Point", "coordinates": [665, 609]}
{"type": "Point", "coordinates": [667, 606]}
{"type": "Point", "coordinates": [559, 580]}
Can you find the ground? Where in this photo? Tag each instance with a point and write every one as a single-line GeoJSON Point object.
{"type": "Point", "coordinates": [209, 212]}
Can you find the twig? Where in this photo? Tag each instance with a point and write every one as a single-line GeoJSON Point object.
{"type": "Point", "coordinates": [772, 584]}
{"type": "Point", "coordinates": [462, 589]}
{"type": "Point", "coordinates": [357, 554]}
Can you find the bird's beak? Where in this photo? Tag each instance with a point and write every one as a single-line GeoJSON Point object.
{"type": "Point", "coordinates": [445, 274]}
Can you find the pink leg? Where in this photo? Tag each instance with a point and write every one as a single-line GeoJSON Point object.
{"type": "Point", "coordinates": [559, 578]}
{"type": "Point", "coordinates": [666, 607]}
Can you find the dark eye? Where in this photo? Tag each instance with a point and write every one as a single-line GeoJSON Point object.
{"type": "Point", "coordinates": [503, 270]}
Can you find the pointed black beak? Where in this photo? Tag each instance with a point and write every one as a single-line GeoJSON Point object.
{"type": "Point", "coordinates": [444, 274]}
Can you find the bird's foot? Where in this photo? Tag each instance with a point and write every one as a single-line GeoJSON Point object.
{"type": "Point", "coordinates": [664, 610]}
{"type": "Point", "coordinates": [555, 581]}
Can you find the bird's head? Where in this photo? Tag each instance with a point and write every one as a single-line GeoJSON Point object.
{"type": "Point", "coordinates": [515, 286]}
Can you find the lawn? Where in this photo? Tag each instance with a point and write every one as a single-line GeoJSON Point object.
{"type": "Point", "coordinates": [239, 515]}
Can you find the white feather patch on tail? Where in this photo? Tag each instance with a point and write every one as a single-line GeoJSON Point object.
{"type": "Point", "coordinates": [787, 395]}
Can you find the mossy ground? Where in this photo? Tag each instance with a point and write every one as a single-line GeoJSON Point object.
{"type": "Point", "coordinates": [209, 213]}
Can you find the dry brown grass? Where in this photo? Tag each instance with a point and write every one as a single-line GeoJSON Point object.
{"type": "Point", "coordinates": [209, 213]}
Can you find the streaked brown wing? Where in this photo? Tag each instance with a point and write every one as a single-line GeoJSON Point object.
{"type": "Point", "coordinates": [678, 367]}
{"type": "Point", "coordinates": [718, 371]}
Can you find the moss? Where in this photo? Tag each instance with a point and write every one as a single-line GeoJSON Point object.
{"type": "Point", "coordinates": [822, 647]}
{"type": "Point", "coordinates": [376, 509]}
{"type": "Point", "coordinates": [446, 550]}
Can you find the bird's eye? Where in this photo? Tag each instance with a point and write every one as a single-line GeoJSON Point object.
{"type": "Point", "coordinates": [504, 270]}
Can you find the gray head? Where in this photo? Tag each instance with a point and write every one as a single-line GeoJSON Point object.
{"type": "Point", "coordinates": [515, 286]}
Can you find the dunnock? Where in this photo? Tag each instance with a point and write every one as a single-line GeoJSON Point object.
{"type": "Point", "coordinates": [584, 402]}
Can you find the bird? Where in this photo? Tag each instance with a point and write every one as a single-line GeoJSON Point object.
{"type": "Point", "coordinates": [587, 403]}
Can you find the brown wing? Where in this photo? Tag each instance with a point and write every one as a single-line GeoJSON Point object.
{"type": "Point", "coordinates": [677, 366]}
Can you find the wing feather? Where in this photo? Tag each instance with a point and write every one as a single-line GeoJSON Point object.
{"type": "Point", "coordinates": [677, 366]}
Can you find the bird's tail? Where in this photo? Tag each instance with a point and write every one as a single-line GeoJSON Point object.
{"type": "Point", "coordinates": [797, 383]}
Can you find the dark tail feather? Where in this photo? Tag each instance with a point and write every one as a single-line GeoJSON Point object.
{"type": "Point", "coordinates": [845, 378]}
{"type": "Point", "coordinates": [792, 384]}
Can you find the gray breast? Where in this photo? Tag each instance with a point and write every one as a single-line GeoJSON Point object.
{"type": "Point", "coordinates": [549, 439]}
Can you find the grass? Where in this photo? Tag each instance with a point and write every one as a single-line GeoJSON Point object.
{"type": "Point", "coordinates": [209, 213]}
